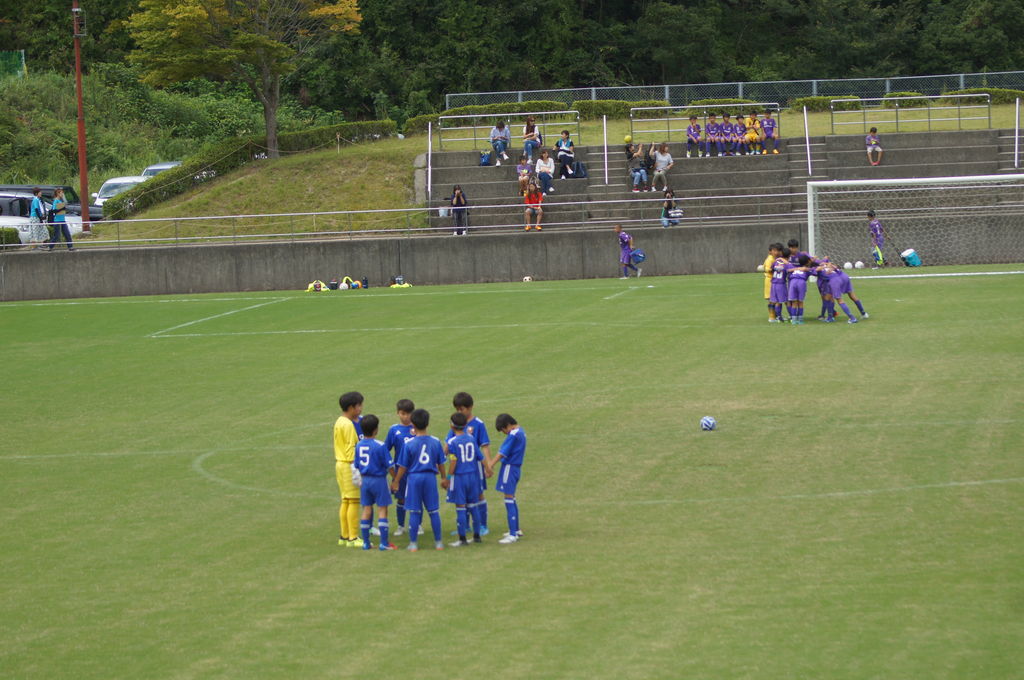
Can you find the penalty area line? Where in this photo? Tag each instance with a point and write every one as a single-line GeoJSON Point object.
{"type": "Point", "coordinates": [934, 276]}
{"type": "Point", "coordinates": [161, 333]}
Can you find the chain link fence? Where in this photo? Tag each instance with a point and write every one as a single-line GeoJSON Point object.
{"type": "Point", "coordinates": [777, 90]}
{"type": "Point", "coordinates": [12, 63]}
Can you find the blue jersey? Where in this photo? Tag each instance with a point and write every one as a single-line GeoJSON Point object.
{"type": "Point", "coordinates": [475, 429]}
{"type": "Point", "coordinates": [513, 449]}
{"type": "Point", "coordinates": [422, 454]}
{"type": "Point", "coordinates": [372, 458]}
{"type": "Point", "coordinates": [466, 452]}
{"type": "Point", "coordinates": [358, 422]}
{"type": "Point", "coordinates": [398, 435]}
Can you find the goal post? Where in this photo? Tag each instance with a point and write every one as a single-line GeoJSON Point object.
{"type": "Point", "coordinates": [976, 219]}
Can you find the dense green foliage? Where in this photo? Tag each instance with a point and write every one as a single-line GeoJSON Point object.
{"type": "Point", "coordinates": [824, 103]}
{"type": "Point", "coordinates": [613, 108]}
{"type": "Point", "coordinates": [407, 53]}
{"type": "Point", "coordinates": [223, 157]}
{"type": "Point", "coordinates": [997, 95]}
{"type": "Point", "coordinates": [9, 235]}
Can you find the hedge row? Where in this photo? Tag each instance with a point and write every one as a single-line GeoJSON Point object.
{"type": "Point", "coordinates": [419, 123]}
{"type": "Point", "coordinates": [592, 109]}
{"type": "Point", "coordinates": [822, 103]}
{"type": "Point", "coordinates": [889, 101]}
{"type": "Point", "coordinates": [998, 95]}
{"type": "Point", "coordinates": [9, 235]}
{"type": "Point", "coordinates": [223, 157]}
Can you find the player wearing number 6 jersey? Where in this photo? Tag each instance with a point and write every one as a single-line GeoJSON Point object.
{"type": "Point", "coordinates": [464, 459]}
{"type": "Point", "coordinates": [423, 460]}
{"type": "Point", "coordinates": [373, 462]}
{"type": "Point", "coordinates": [511, 455]}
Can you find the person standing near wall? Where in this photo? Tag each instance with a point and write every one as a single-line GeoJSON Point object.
{"type": "Point", "coordinates": [37, 231]}
{"type": "Point", "coordinates": [60, 220]}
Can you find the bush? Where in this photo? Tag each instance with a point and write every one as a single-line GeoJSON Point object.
{"type": "Point", "coordinates": [720, 102]}
{"type": "Point", "coordinates": [998, 95]}
{"type": "Point", "coordinates": [889, 100]}
{"type": "Point", "coordinates": [592, 109]}
{"type": "Point", "coordinates": [9, 235]}
{"type": "Point", "coordinates": [419, 123]}
{"type": "Point", "coordinates": [512, 107]}
{"type": "Point", "coordinates": [823, 103]}
{"type": "Point", "coordinates": [223, 157]}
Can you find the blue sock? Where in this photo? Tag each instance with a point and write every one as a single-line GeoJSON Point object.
{"type": "Point", "coordinates": [824, 308]}
{"type": "Point", "coordinates": [382, 526]}
{"type": "Point", "coordinates": [400, 511]}
{"type": "Point", "coordinates": [474, 513]}
{"type": "Point", "coordinates": [625, 270]}
{"type": "Point", "coordinates": [435, 524]}
{"type": "Point", "coordinates": [414, 524]}
{"type": "Point", "coordinates": [481, 508]}
{"type": "Point", "coordinates": [364, 531]}
{"type": "Point", "coordinates": [513, 515]}
{"type": "Point", "coordinates": [859, 306]}
{"type": "Point", "coordinates": [460, 521]}
{"type": "Point", "coordinates": [846, 310]}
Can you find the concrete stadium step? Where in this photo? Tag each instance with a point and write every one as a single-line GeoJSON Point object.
{"type": "Point", "coordinates": [887, 171]}
{"type": "Point", "coordinates": [951, 154]}
{"type": "Point", "coordinates": [914, 140]}
{"type": "Point", "coordinates": [508, 189]}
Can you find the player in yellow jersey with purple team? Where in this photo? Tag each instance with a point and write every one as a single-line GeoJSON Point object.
{"type": "Point", "coordinates": [345, 439]}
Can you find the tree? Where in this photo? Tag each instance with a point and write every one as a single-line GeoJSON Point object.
{"type": "Point", "coordinates": [252, 41]}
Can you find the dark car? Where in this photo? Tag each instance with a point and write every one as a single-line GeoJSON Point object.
{"type": "Point", "coordinates": [74, 203]}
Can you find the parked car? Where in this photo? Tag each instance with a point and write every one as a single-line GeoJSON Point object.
{"type": "Point", "coordinates": [117, 185]}
{"type": "Point", "coordinates": [15, 207]}
{"type": "Point", "coordinates": [157, 168]}
{"type": "Point", "coordinates": [74, 204]}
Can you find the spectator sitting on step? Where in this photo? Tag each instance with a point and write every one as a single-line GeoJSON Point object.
{"type": "Point", "coordinates": [524, 173]}
{"type": "Point", "coordinates": [545, 171]}
{"type": "Point", "coordinates": [531, 138]}
{"type": "Point", "coordinates": [566, 155]}
{"type": "Point", "coordinates": [668, 206]}
{"type": "Point", "coordinates": [770, 126]}
{"type": "Point", "coordinates": [635, 166]}
{"type": "Point", "coordinates": [460, 211]}
{"type": "Point", "coordinates": [871, 141]}
{"type": "Point", "coordinates": [500, 139]}
{"type": "Point", "coordinates": [534, 197]}
{"type": "Point", "coordinates": [662, 164]}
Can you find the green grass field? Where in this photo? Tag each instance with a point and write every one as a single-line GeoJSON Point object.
{"type": "Point", "coordinates": [170, 510]}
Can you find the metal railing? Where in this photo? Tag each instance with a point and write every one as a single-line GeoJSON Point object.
{"type": "Point", "coordinates": [771, 90]}
{"type": "Point", "coordinates": [910, 112]}
{"type": "Point", "coordinates": [480, 124]}
{"type": "Point", "coordinates": [639, 210]}
{"type": "Point", "coordinates": [676, 118]}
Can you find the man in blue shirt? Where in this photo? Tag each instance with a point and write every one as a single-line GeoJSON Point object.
{"type": "Point", "coordinates": [511, 455]}
{"type": "Point", "coordinates": [464, 458]}
{"type": "Point", "coordinates": [423, 460]}
{"type": "Point", "coordinates": [398, 434]}
{"type": "Point", "coordinates": [373, 462]}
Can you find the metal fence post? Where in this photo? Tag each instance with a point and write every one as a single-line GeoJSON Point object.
{"type": "Point", "coordinates": [1016, 132]}
{"type": "Point", "coordinates": [593, 94]}
{"type": "Point", "coordinates": [739, 90]}
{"type": "Point", "coordinates": [807, 141]}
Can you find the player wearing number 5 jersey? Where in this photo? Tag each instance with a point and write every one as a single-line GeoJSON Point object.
{"type": "Point", "coordinates": [373, 463]}
{"type": "Point", "coordinates": [422, 460]}
{"type": "Point", "coordinates": [511, 455]}
{"type": "Point", "coordinates": [464, 460]}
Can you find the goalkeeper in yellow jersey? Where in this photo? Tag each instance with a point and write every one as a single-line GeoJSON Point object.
{"type": "Point", "coordinates": [345, 439]}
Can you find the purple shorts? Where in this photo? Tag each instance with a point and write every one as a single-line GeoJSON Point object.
{"type": "Point", "coordinates": [840, 285]}
{"type": "Point", "coordinates": [624, 257]}
{"type": "Point", "coordinates": [778, 292]}
{"type": "Point", "coordinates": [823, 286]}
{"type": "Point", "coordinates": [797, 289]}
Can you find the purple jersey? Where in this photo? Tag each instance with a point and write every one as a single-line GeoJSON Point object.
{"type": "Point", "coordinates": [714, 129]}
{"type": "Point", "coordinates": [877, 235]}
{"type": "Point", "coordinates": [768, 125]}
{"type": "Point", "coordinates": [739, 129]}
{"type": "Point", "coordinates": [726, 128]}
{"type": "Point", "coordinates": [693, 132]}
{"type": "Point", "coordinates": [871, 140]}
{"type": "Point", "coordinates": [624, 240]}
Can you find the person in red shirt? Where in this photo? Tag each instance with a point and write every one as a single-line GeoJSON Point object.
{"type": "Point", "coordinates": [534, 197]}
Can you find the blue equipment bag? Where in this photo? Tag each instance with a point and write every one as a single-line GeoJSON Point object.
{"type": "Point", "coordinates": [485, 158]}
{"type": "Point", "coordinates": [637, 256]}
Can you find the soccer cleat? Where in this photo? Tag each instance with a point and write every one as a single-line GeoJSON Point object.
{"type": "Point", "coordinates": [852, 319]}
{"type": "Point", "coordinates": [519, 534]}
{"type": "Point", "coordinates": [773, 321]}
{"type": "Point", "coordinates": [439, 545]}
{"type": "Point", "coordinates": [623, 278]}
{"type": "Point", "coordinates": [830, 319]}
{"type": "Point", "coordinates": [413, 547]}
{"type": "Point", "coordinates": [399, 531]}
{"type": "Point", "coordinates": [539, 228]}
{"type": "Point", "coordinates": [508, 539]}
{"type": "Point", "coordinates": [687, 154]}
{"type": "Point", "coordinates": [477, 539]}
{"type": "Point", "coordinates": [775, 151]}
{"type": "Point", "coordinates": [355, 543]}
{"type": "Point", "coordinates": [387, 546]}
{"type": "Point", "coordinates": [484, 531]}
{"type": "Point", "coordinates": [458, 544]}
{"type": "Point", "coordinates": [367, 546]}
{"type": "Point", "coordinates": [866, 316]}
{"type": "Point", "coordinates": [454, 532]}
{"type": "Point", "coordinates": [343, 542]}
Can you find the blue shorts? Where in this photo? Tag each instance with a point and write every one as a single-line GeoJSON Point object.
{"type": "Point", "coordinates": [403, 484]}
{"type": "Point", "coordinates": [482, 477]}
{"type": "Point", "coordinates": [508, 479]}
{"type": "Point", "coordinates": [465, 489]}
{"type": "Point", "coordinates": [375, 491]}
{"type": "Point", "coordinates": [422, 491]}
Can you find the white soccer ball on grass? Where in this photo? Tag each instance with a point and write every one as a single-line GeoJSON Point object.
{"type": "Point", "coordinates": [707, 423]}
{"type": "Point", "coordinates": [527, 279]}
{"type": "Point", "coordinates": [848, 265]}
{"type": "Point", "coordinates": [858, 264]}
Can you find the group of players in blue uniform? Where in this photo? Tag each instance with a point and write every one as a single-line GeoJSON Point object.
{"type": "Point", "coordinates": [415, 460]}
{"type": "Point", "coordinates": [787, 272]}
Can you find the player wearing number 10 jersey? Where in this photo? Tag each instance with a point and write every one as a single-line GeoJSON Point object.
{"type": "Point", "coordinates": [465, 459]}
{"type": "Point", "coordinates": [422, 459]}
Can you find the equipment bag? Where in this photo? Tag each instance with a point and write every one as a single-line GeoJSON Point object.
{"type": "Point", "coordinates": [485, 158]}
{"type": "Point", "coordinates": [637, 256]}
{"type": "Point", "coordinates": [579, 170]}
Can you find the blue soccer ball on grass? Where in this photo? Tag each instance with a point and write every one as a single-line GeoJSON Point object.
{"type": "Point", "coordinates": [707, 423]}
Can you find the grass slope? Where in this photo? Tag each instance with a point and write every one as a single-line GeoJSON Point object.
{"type": "Point", "coordinates": [170, 506]}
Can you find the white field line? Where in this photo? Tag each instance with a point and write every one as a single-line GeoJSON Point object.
{"type": "Point", "coordinates": [621, 292]}
{"type": "Point", "coordinates": [160, 333]}
{"type": "Point", "coordinates": [390, 329]}
{"type": "Point", "coordinates": [868, 277]}
{"type": "Point", "coordinates": [158, 452]}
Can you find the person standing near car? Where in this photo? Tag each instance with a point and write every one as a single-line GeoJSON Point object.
{"type": "Point", "coordinates": [38, 233]}
{"type": "Point", "coordinates": [60, 220]}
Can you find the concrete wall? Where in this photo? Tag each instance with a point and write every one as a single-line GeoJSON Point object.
{"type": "Point", "coordinates": [476, 258]}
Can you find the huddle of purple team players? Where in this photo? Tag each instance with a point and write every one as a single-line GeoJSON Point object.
{"type": "Point", "coordinates": [790, 273]}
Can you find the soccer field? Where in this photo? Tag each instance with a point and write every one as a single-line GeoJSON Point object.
{"type": "Point", "coordinates": [170, 508]}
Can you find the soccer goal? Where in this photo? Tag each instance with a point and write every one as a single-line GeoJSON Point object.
{"type": "Point", "coordinates": [947, 220]}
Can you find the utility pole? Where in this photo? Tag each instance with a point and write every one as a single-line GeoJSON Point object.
{"type": "Point", "coordinates": [78, 18]}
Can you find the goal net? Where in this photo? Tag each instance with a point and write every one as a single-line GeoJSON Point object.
{"type": "Point", "coordinates": [946, 220]}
